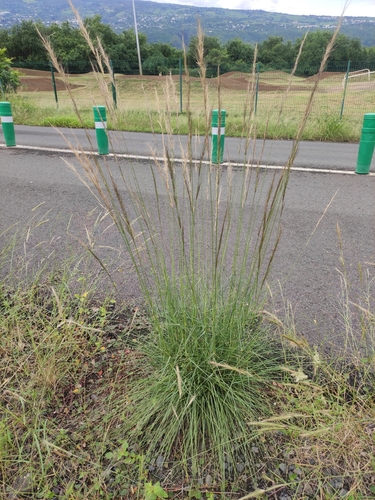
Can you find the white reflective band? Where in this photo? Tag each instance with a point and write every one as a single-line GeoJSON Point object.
{"type": "Point", "coordinates": [7, 119]}
{"type": "Point", "coordinates": [100, 124]}
{"type": "Point", "coordinates": [215, 130]}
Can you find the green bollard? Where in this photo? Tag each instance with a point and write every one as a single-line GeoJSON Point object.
{"type": "Point", "coordinates": [366, 144]}
{"type": "Point", "coordinates": [7, 123]}
{"type": "Point", "coordinates": [100, 128]}
{"type": "Point", "coordinates": [218, 136]}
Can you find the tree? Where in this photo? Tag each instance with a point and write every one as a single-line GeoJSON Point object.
{"type": "Point", "coordinates": [9, 78]}
{"type": "Point", "coordinates": [124, 54]}
{"type": "Point", "coordinates": [240, 52]}
{"type": "Point", "coordinates": [24, 43]}
{"type": "Point", "coordinates": [215, 56]}
{"type": "Point", "coordinates": [209, 43]}
{"type": "Point", "coordinates": [98, 30]}
{"type": "Point", "coordinates": [69, 45]}
{"type": "Point", "coordinates": [274, 53]}
{"type": "Point", "coordinates": [370, 58]}
{"type": "Point", "coordinates": [156, 64]}
{"type": "Point", "coordinates": [167, 50]}
{"type": "Point", "coordinates": [345, 49]}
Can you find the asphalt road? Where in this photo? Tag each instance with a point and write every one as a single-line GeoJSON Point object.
{"type": "Point", "coordinates": [322, 155]}
{"type": "Point", "coordinates": [307, 267]}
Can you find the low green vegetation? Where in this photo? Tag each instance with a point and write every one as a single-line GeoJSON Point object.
{"type": "Point", "coordinates": [9, 78]}
{"type": "Point", "coordinates": [142, 103]}
{"type": "Point", "coordinates": [73, 359]}
{"type": "Point", "coordinates": [24, 46]}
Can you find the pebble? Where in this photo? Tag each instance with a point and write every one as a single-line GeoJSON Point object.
{"type": "Point", "coordinates": [240, 467]}
{"type": "Point", "coordinates": [208, 480]}
{"type": "Point", "coordinates": [283, 468]}
{"type": "Point", "coordinates": [328, 489]}
{"type": "Point", "coordinates": [284, 496]}
{"type": "Point", "coordinates": [308, 490]}
{"type": "Point", "coordinates": [159, 461]}
{"type": "Point", "coordinates": [336, 483]}
{"type": "Point", "coordinates": [21, 485]}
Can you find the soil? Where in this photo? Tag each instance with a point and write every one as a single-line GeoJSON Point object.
{"type": "Point", "coordinates": [33, 80]}
{"type": "Point", "coordinates": [326, 74]}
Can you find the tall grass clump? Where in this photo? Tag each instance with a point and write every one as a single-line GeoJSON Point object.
{"type": "Point", "coordinates": [201, 239]}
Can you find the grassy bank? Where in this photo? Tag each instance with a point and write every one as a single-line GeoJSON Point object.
{"type": "Point", "coordinates": [69, 361]}
{"type": "Point", "coordinates": [142, 102]}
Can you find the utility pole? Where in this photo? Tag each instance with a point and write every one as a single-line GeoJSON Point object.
{"type": "Point", "coordinates": [137, 39]}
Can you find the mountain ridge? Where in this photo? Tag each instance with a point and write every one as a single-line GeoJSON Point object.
{"type": "Point", "coordinates": [170, 23]}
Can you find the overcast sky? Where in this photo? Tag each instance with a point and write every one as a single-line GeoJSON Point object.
{"type": "Point", "coordinates": [315, 7]}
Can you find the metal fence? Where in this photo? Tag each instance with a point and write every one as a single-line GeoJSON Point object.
{"type": "Point", "coordinates": [346, 90]}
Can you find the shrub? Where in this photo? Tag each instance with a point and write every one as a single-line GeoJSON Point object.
{"type": "Point", "coordinates": [9, 78]}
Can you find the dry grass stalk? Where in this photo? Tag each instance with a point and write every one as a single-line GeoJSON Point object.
{"type": "Point", "coordinates": [317, 80]}
{"type": "Point", "coordinates": [292, 75]}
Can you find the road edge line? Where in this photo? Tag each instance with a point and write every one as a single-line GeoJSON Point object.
{"type": "Point", "coordinates": [181, 160]}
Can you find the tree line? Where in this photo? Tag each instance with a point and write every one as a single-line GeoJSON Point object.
{"type": "Point", "coordinates": [25, 48]}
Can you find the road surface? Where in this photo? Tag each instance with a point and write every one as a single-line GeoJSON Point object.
{"type": "Point", "coordinates": [307, 268]}
{"type": "Point", "coordinates": [323, 155]}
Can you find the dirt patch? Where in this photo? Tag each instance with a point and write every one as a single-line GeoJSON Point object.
{"type": "Point", "coordinates": [32, 72]}
{"type": "Point", "coordinates": [33, 80]}
{"type": "Point", "coordinates": [149, 78]}
{"type": "Point", "coordinates": [325, 74]}
{"type": "Point", "coordinates": [241, 81]}
{"type": "Point", "coordinates": [42, 84]}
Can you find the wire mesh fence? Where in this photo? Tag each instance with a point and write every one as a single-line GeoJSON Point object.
{"type": "Point", "coordinates": [346, 90]}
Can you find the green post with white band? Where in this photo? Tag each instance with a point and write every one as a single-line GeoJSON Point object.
{"type": "Point", "coordinates": [100, 118]}
{"type": "Point", "coordinates": [366, 144]}
{"type": "Point", "coordinates": [7, 123]}
{"type": "Point", "coordinates": [218, 135]}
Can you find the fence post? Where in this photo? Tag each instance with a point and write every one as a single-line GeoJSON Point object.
{"type": "Point", "coordinates": [180, 71]}
{"type": "Point", "coordinates": [54, 83]}
{"type": "Point", "coordinates": [344, 94]}
{"type": "Point", "coordinates": [114, 92]}
{"type": "Point", "coordinates": [101, 129]}
{"type": "Point", "coordinates": [256, 88]}
{"type": "Point", "coordinates": [7, 123]}
{"type": "Point", "coordinates": [218, 135]}
{"type": "Point", "coordinates": [366, 144]}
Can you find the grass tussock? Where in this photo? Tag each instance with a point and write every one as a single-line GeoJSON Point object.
{"type": "Point", "coordinates": [205, 394]}
{"type": "Point", "coordinates": [208, 364]}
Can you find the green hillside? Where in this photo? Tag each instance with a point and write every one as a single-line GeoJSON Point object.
{"type": "Point", "coordinates": [170, 23]}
